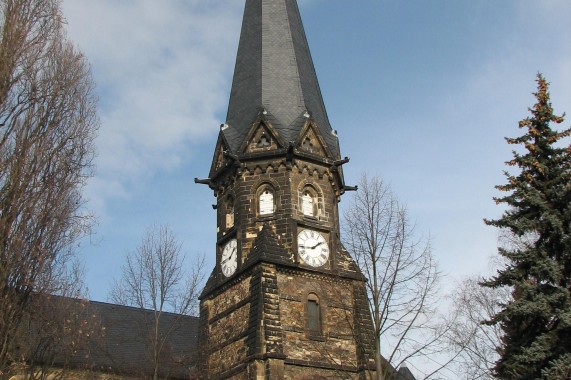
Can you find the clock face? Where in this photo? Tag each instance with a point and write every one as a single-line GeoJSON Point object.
{"type": "Point", "coordinates": [229, 259]}
{"type": "Point", "coordinates": [312, 248]}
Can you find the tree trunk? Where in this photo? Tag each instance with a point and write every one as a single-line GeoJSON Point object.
{"type": "Point", "coordinates": [378, 360]}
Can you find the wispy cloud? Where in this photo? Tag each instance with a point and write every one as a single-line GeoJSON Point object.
{"type": "Point", "coordinates": [162, 70]}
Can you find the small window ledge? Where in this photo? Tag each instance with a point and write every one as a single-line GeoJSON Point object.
{"type": "Point", "coordinates": [316, 336]}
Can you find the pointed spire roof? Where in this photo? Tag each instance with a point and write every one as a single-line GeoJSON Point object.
{"type": "Point", "coordinates": [274, 72]}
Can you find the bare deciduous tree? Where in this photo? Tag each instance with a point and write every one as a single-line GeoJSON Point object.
{"type": "Point", "coordinates": [154, 279]}
{"type": "Point", "coordinates": [401, 272]}
{"type": "Point", "coordinates": [59, 331]}
{"type": "Point", "coordinates": [478, 342]}
{"type": "Point", "coordinates": [48, 122]}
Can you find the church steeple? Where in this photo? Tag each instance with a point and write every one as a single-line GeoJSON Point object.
{"type": "Point", "coordinates": [270, 307]}
{"type": "Point", "coordinates": [274, 72]}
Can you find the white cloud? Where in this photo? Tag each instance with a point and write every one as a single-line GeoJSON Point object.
{"type": "Point", "coordinates": [162, 71]}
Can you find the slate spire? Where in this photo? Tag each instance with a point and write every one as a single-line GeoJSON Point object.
{"type": "Point", "coordinates": [274, 71]}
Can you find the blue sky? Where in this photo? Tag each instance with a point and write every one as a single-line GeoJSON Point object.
{"type": "Point", "coordinates": [422, 93]}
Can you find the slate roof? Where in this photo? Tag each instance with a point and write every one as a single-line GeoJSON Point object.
{"type": "Point", "coordinates": [274, 71]}
{"type": "Point", "coordinates": [404, 374]}
{"type": "Point", "coordinates": [123, 348]}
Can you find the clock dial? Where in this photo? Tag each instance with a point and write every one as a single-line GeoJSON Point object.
{"type": "Point", "coordinates": [229, 259]}
{"type": "Point", "coordinates": [312, 248]}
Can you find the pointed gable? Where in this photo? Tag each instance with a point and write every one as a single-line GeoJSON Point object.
{"type": "Point", "coordinates": [274, 71]}
{"type": "Point", "coordinates": [218, 160]}
{"type": "Point", "coordinates": [311, 141]}
{"type": "Point", "coordinates": [262, 136]}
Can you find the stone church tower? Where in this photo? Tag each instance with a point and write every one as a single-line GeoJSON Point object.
{"type": "Point", "coordinates": [285, 300]}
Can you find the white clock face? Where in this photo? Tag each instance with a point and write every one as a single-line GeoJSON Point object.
{"type": "Point", "coordinates": [229, 259]}
{"type": "Point", "coordinates": [312, 248]}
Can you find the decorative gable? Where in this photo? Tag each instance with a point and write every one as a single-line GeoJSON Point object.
{"type": "Point", "coordinates": [311, 141]}
{"type": "Point", "coordinates": [219, 160]}
{"type": "Point", "coordinates": [261, 138]}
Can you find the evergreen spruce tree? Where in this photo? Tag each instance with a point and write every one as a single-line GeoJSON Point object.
{"type": "Point", "coordinates": [537, 321]}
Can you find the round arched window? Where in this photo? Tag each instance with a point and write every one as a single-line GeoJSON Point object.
{"type": "Point", "coordinates": [307, 204]}
{"type": "Point", "coordinates": [313, 314]}
{"type": "Point", "coordinates": [230, 212]}
{"type": "Point", "coordinates": [266, 202]}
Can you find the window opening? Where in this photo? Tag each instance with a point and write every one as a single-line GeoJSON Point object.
{"type": "Point", "coordinates": [266, 202]}
{"type": "Point", "coordinates": [264, 141]}
{"type": "Point", "coordinates": [230, 217]}
{"type": "Point", "coordinates": [313, 316]}
{"type": "Point", "coordinates": [307, 204]}
{"type": "Point", "coordinates": [230, 213]}
{"type": "Point", "coordinates": [307, 145]}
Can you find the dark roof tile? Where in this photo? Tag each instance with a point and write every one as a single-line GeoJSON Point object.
{"type": "Point", "coordinates": [124, 348]}
{"type": "Point", "coordinates": [274, 70]}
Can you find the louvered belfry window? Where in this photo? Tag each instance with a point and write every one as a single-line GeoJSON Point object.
{"type": "Point", "coordinates": [307, 204]}
{"type": "Point", "coordinates": [229, 212]}
{"type": "Point", "coordinates": [266, 202]}
{"type": "Point", "coordinates": [230, 216]}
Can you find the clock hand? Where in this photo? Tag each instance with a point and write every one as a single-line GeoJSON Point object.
{"type": "Point", "coordinates": [317, 245]}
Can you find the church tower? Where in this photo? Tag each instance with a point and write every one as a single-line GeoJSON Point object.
{"type": "Point", "coordinates": [285, 300]}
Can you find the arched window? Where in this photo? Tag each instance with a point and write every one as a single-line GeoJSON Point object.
{"type": "Point", "coordinates": [313, 314]}
{"type": "Point", "coordinates": [307, 203]}
{"type": "Point", "coordinates": [229, 209]}
{"type": "Point", "coordinates": [266, 202]}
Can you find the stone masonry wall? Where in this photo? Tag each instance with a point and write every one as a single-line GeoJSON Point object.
{"type": "Point", "coordinates": [227, 325]}
{"type": "Point", "coordinates": [256, 324]}
{"type": "Point", "coordinates": [288, 183]}
{"type": "Point", "coordinates": [294, 372]}
{"type": "Point", "coordinates": [334, 346]}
